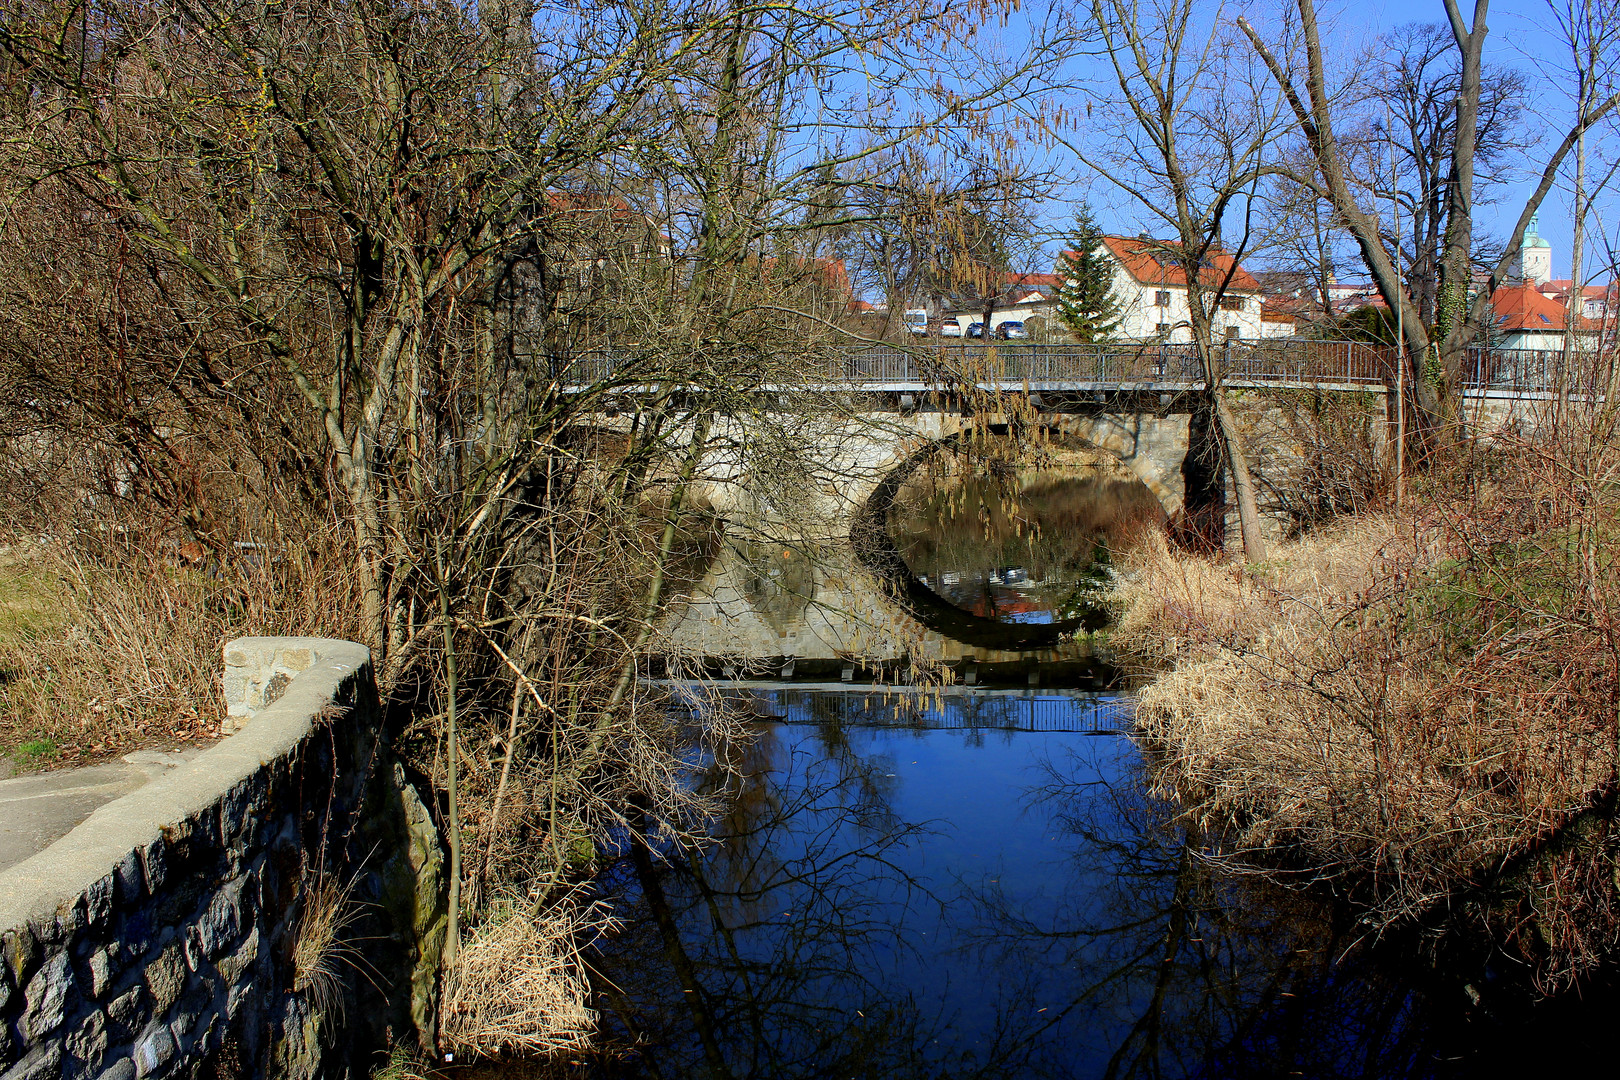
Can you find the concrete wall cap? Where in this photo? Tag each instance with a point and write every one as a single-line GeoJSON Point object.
{"type": "Point", "coordinates": [37, 888]}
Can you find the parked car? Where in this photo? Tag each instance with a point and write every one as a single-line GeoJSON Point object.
{"type": "Point", "coordinates": [950, 328]}
{"type": "Point", "coordinates": [975, 329]}
{"type": "Point", "coordinates": [1010, 329]}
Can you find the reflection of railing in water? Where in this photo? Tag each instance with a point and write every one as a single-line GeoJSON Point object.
{"type": "Point", "coordinates": [945, 711]}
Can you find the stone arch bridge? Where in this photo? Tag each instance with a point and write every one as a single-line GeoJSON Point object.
{"type": "Point", "coordinates": [1135, 402]}
{"type": "Point", "coordinates": [804, 472]}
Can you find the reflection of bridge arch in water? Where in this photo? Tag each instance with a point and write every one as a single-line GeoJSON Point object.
{"type": "Point", "coordinates": [1148, 447]}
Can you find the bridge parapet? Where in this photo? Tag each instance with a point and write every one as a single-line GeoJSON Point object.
{"type": "Point", "coordinates": [1280, 363]}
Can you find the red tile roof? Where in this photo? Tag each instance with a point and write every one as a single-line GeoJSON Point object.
{"type": "Point", "coordinates": [1559, 290]}
{"type": "Point", "coordinates": [1523, 307]}
{"type": "Point", "coordinates": [1152, 262]}
{"type": "Point", "coordinates": [1032, 281]}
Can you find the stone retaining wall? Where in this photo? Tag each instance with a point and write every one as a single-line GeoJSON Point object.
{"type": "Point", "coordinates": [161, 937]}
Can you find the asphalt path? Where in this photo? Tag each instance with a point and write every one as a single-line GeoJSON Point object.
{"type": "Point", "coordinates": [39, 809]}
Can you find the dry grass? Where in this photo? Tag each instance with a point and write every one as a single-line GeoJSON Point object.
{"type": "Point", "coordinates": [1422, 711]}
{"type": "Point", "coordinates": [30, 597]}
{"type": "Point", "coordinates": [121, 652]}
{"type": "Point", "coordinates": [518, 986]}
{"type": "Point", "coordinates": [322, 946]}
{"type": "Point", "coordinates": [1175, 605]}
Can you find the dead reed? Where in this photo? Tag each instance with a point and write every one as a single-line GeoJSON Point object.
{"type": "Point", "coordinates": [518, 986]}
{"type": "Point", "coordinates": [1420, 710]}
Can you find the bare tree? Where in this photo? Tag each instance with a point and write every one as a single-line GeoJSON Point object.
{"type": "Point", "coordinates": [1591, 32]}
{"type": "Point", "coordinates": [1414, 83]}
{"type": "Point", "coordinates": [1196, 137]}
{"type": "Point", "coordinates": [1331, 177]}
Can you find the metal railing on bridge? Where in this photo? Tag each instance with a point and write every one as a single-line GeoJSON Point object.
{"type": "Point", "coordinates": [1102, 365]}
{"type": "Point", "coordinates": [1581, 374]}
{"type": "Point", "coordinates": [1281, 362]}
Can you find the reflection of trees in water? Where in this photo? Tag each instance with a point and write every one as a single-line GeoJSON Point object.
{"type": "Point", "coordinates": [1057, 527]}
{"type": "Point", "coordinates": [778, 951]}
{"type": "Point", "coordinates": [1171, 969]}
{"type": "Point", "coordinates": [773, 939]}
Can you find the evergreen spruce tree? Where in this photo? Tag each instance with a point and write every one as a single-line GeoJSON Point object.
{"type": "Point", "coordinates": [1086, 303]}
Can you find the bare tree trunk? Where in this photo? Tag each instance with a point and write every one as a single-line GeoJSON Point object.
{"type": "Point", "coordinates": [1226, 429]}
{"type": "Point", "coordinates": [1457, 263]}
{"type": "Point", "coordinates": [1573, 302]}
{"type": "Point", "coordinates": [1254, 543]}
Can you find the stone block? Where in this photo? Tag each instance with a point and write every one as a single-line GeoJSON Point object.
{"type": "Point", "coordinates": [5, 986]}
{"type": "Point", "coordinates": [88, 1045]}
{"type": "Point", "coordinates": [234, 967]}
{"type": "Point", "coordinates": [221, 923]}
{"type": "Point", "coordinates": [61, 932]}
{"type": "Point", "coordinates": [46, 998]}
{"type": "Point", "coordinates": [98, 900]}
{"type": "Point", "coordinates": [240, 811]}
{"type": "Point", "coordinates": [165, 979]}
{"type": "Point", "coordinates": [22, 954]}
{"type": "Point", "coordinates": [154, 1050]}
{"type": "Point", "coordinates": [241, 993]}
{"type": "Point", "coordinates": [127, 1009]}
{"type": "Point", "coordinates": [185, 1020]}
{"type": "Point", "coordinates": [131, 880]}
{"type": "Point", "coordinates": [155, 863]}
{"type": "Point", "coordinates": [100, 972]}
{"type": "Point", "coordinates": [43, 1062]}
{"type": "Point", "coordinates": [122, 1069]}
{"type": "Point", "coordinates": [274, 688]}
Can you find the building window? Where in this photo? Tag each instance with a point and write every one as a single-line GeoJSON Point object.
{"type": "Point", "coordinates": [1231, 333]}
{"type": "Point", "coordinates": [1163, 328]}
{"type": "Point", "coordinates": [1162, 298]}
{"type": "Point", "coordinates": [1231, 303]}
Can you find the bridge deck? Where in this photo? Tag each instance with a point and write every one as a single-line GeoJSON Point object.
{"type": "Point", "coordinates": [1321, 365]}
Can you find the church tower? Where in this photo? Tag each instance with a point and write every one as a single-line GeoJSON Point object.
{"type": "Point", "coordinates": [1534, 264]}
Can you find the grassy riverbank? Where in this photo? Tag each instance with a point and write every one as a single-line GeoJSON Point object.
{"type": "Point", "coordinates": [30, 611]}
{"type": "Point", "coordinates": [1418, 710]}
{"type": "Point", "coordinates": [101, 658]}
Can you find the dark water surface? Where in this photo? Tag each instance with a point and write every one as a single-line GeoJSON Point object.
{"type": "Point", "coordinates": [979, 884]}
{"type": "Point", "coordinates": [980, 887]}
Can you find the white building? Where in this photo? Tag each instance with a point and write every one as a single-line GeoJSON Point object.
{"type": "Point", "coordinates": [1152, 293]}
{"type": "Point", "coordinates": [1534, 261]}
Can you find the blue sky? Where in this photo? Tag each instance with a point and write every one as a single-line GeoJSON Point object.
{"type": "Point", "coordinates": [1523, 36]}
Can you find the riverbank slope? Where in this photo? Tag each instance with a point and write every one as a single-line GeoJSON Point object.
{"type": "Point", "coordinates": [1416, 710]}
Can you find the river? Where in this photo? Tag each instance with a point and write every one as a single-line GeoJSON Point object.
{"type": "Point", "coordinates": [977, 881]}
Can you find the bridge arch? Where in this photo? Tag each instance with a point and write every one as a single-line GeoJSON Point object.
{"type": "Point", "coordinates": [1151, 448]}
{"type": "Point", "coordinates": [875, 548]}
